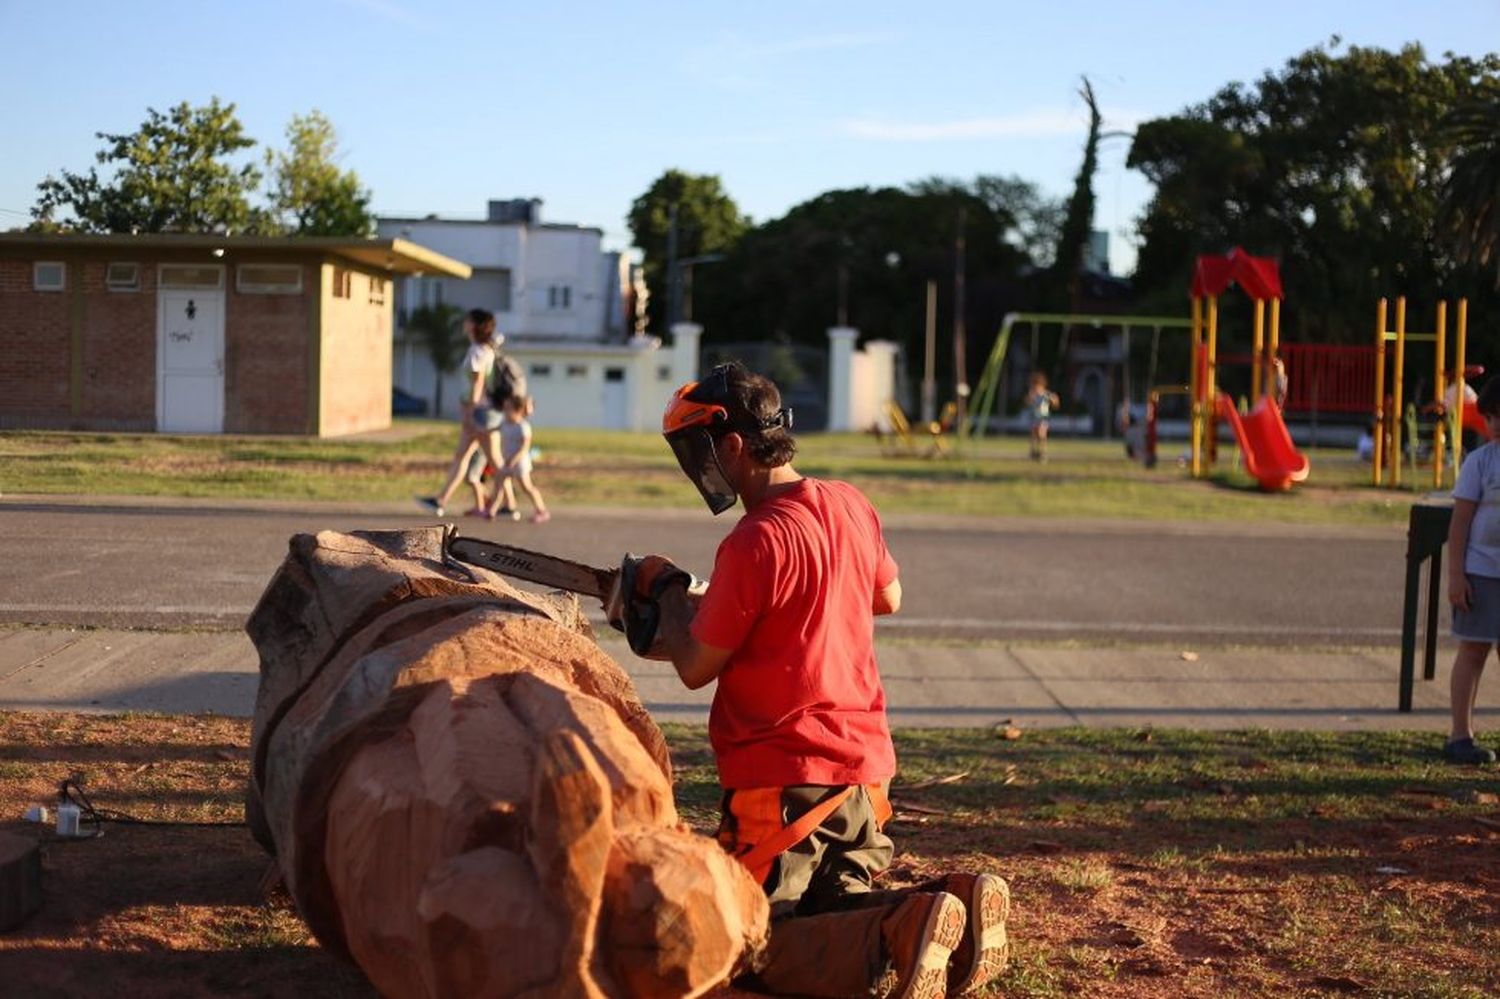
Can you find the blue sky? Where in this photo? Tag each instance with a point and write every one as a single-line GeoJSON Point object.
{"type": "Point", "coordinates": [443, 105]}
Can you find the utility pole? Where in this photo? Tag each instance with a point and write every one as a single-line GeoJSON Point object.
{"type": "Point", "coordinates": [960, 364]}
{"type": "Point", "coordinates": [929, 374]}
{"type": "Point", "coordinates": [674, 278]}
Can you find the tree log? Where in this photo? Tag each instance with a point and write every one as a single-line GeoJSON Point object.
{"type": "Point", "coordinates": [464, 793]}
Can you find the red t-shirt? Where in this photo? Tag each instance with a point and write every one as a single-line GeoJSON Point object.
{"type": "Point", "coordinates": [792, 593]}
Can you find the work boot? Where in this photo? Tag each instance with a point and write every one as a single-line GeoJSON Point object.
{"type": "Point", "coordinates": [985, 948]}
{"type": "Point", "coordinates": [919, 937]}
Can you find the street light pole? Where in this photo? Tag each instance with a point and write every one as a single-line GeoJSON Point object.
{"type": "Point", "coordinates": [960, 365]}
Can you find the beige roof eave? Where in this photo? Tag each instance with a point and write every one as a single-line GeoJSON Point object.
{"type": "Point", "coordinates": [398, 256]}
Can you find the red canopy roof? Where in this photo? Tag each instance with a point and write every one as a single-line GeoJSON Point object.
{"type": "Point", "coordinates": [1259, 276]}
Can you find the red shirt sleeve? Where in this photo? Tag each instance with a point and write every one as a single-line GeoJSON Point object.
{"type": "Point", "coordinates": [737, 593]}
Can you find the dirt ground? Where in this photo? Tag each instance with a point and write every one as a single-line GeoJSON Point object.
{"type": "Point", "coordinates": [1299, 868]}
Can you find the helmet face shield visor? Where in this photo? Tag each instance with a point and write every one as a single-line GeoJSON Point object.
{"type": "Point", "coordinates": [694, 448]}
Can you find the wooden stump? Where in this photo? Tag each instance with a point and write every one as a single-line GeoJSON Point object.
{"type": "Point", "coordinates": [20, 879]}
{"type": "Point", "coordinates": [464, 793]}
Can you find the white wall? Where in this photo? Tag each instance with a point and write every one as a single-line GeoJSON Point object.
{"type": "Point", "coordinates": [571, 381]}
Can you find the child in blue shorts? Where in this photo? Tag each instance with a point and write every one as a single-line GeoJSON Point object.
{"type": "Point", "coordinates": [1474, 579]}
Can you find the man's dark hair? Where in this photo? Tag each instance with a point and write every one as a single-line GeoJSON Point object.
{"type": "Point", "coordinates": [484, 324]}
{"type": "Point", "coordinates": [1488, 403]}
{"type": "Point", "coordinates": [755, 413]}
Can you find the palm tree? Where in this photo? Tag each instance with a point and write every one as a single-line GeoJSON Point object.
{"type": "Point", "coordinates": [440, 330]}
{"type": "Point", "coordinates": [1469, 217]}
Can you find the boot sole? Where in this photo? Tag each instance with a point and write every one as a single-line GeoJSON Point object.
{"type": "Point", "coordinates": [943, 932]}
{"type": "Point", "coordinates": [989, 908]}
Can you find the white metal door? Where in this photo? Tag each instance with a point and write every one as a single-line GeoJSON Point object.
{"type": "Point", "coordinates": [189, 359]}
{"type": "Point", "coordinates": [616, 408]}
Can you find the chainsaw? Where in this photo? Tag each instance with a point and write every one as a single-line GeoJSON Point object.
{"type": "Point", "coordinates": [638, 616]}
{"type": "Point", "coordinates": [534, 567]}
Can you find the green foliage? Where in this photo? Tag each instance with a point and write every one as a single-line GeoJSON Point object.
{"type": "Point", "coordinates": [1334, 165]}
{"type": "Point", "coordinates": [439, 328]}
{"type": "Point", "coordinates": [1078, 222]}
{"type": "Point", "coordinates": [310, 195]}
{"type": "Point", "coordinates": [1031, 221]}
{"type": "Point", "coordinates": [173, 174]}
{"type": "Point", "coordinates": [1469, 217]}
{"type": "Point", "coordinates": [708, 221]}
{"type": "Point", "coordinates": [782, 281]}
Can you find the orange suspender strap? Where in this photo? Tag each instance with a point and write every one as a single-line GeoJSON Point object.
{"type": "Point", "coordinates": [881, 803]}
{"type": "Point", "coordinates": [760, 857]}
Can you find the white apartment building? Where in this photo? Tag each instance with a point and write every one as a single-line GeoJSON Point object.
{"type": "Point", "coordinates": [559, 298]}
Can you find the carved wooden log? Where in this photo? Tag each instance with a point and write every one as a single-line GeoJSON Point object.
{"type": "Point", "coordinates": [464, 793]}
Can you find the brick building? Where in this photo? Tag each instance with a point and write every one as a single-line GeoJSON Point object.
{"type": "Point", "coordinates": [201, 333]}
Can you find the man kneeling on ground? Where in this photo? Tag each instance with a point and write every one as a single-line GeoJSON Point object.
{"type": "Point", "coordinates": [798, 724]}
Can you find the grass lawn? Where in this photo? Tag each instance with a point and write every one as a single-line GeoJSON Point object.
{"type": "Point", "coordinates": [1162, 864]}
{"type": "Point", "coordinates": [993, 478]}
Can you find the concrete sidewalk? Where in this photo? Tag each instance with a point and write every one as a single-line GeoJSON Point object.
{"type": "Point", "coordinates": [1035, 685]}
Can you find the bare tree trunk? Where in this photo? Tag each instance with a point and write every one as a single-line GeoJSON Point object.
{"type": "Point", "coordinates": [464, 793]}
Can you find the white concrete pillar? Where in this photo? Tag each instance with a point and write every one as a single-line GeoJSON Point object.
{"type": "Point", "coordinates": [685, 337]}
{"type": "Point", "coordinates": [841, 340]}
{"type": "Point", "coordinates": [881, 372]}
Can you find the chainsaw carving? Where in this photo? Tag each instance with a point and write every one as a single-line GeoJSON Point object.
{"type": "Point", "coordinates": [463, 792]}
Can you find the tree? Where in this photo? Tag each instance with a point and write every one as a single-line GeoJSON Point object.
{"type": "Point", "coordinates": [439, 328]}
{"type": "Point", "coordinates": [1078, 221]}
{"type": "Point", "coordinates": [708, 221]}
{"type": "Point", "coordinates": [1032, 220]}
{"type": "Point", "coordinates": [310, 195]}
{"type": "Point", "coordinates": [173, 174]}
{"type": "Point", "coordinates": [1332, 163]}
{"type": "Point", "coordinates": [1469, 217]}
{"type": "Point", "coordinates": [782, 280]}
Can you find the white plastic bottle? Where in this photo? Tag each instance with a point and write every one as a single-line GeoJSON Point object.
{"type": "Point", "coordinates": [67, 819]}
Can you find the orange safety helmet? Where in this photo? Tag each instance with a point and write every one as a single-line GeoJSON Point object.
{"type": "Point", "coordinates": [696, 416]}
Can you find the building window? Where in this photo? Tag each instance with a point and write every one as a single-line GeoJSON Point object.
{"type": "Point", "coordinates": [663, 372]}
{"type": "Point", "coordinates": [614, 374]}
{"type": "Point", "coordinates": [559, 296]}
{"type": "Point", "coordinates": [191, 276]}
{"type": "Point", "coordinates": [429, 292]}
{"type": "Point", "coordinates": [123, 277]}
{"type": "Point", "coordinates": [541, 371]}
{"type": "Point", "coordinates": [489, 288]}
{"type": "Point", "coordinates": [578, 371]}
{"type": "Point", "coordinates": [343, 282]}
{"type": "Point", "coordinates": [49, 275]}
{"type": "Point", "coordinates": [268, 279]}
{"type": "Point", "coordinates": [377, 291]}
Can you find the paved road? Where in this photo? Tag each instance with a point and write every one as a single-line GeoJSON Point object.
{"type": "Point", "coordinates": [139, 563]}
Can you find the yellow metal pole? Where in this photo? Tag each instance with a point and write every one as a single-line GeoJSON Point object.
{"type": "Point", "coordinates": [1379, 391]}
{"type": "Point", "coordinates": [1211, 390]}
{"type": "Point", "coordinates": [1258, 363]}
{"type": "Point", "coordinates": [1275, 345]}
{"type": "Point", "coordinates": [1398, 372]}
{"type": "Point", "coordinates": [1459, 381]}
{"type": "Point", "coordinates": [1439, 438]}
{"type": "Point", "coordinates": [1195, 390]}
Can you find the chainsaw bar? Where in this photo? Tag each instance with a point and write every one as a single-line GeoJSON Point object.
{"type": "Point", "coordinates": [534, 567]}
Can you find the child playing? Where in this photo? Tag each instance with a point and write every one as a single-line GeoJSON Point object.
{"type": "Point", "coordinates": [1039, 403]}
{"type": "Point", "coordinates": [515, 463]}
{"type": "Point", "coordinates": [1474, 579]}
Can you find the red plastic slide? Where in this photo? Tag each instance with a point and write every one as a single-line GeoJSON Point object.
{"type": "Point", "coordinates": [1270, 455]}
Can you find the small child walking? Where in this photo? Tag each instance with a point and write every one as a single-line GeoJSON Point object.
{"type": "Point", "coordinates": [1039, 403]}
{"type": "Point", "coordinates": [1474, 580]}
{"type": "Point", "coordinates": [515, 463]}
